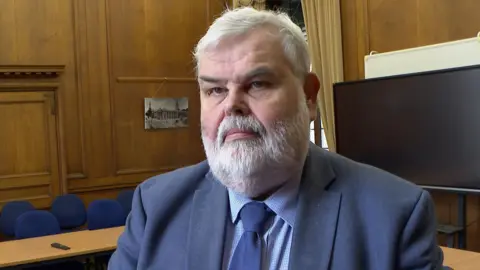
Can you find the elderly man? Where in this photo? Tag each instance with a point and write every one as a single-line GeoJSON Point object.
{"type": "Point", "coordinates": [266, 198]}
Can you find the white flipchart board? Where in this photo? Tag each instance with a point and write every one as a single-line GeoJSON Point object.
{"type": "Point", "coordinates": [454, 54]}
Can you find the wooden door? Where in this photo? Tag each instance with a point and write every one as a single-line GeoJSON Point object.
{"type": "Point", "coordinates": [28, 148]}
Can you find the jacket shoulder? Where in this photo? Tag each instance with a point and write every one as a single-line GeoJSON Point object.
{"type": "Point", "coordinates": [356, 177]}
{"type": "Point", "coordinates": [174, 182]}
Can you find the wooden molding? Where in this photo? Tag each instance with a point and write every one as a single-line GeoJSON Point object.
{"type": "Point", "coordinates": [154, 79]}
{"type": "Point", "coordinates": [76, 176]}
{"type": "Point", "coordinates": [24, 175]}
{"type": "Point", "coordinates": [30, 71]}
{"type": "Point", "coordinates": [29, 180]}
{"type": "Point", "coordinates": [80, 47]}
{"type": "Point", "coordinates": [28, 86]}
{"type": "Point", "coordinates": [147, 170]}
{"type": "Point", "coordinates": [105, 187]}
{"type": "Point", "coordinates": [363, 39]}
{"type": "Point", "coordinates": [112, 182]}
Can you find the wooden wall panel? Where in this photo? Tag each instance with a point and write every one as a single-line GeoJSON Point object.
{"type": "Point", "coordinates": [392, 24]}
{"type": "Point", "coordinates": [448, 20]}
{"type": "Point", "coordinates": [113, 54]}
{"type": "Point", "coordinates": [387, 25]}
{"type": "Point", "coordinates": [155, 38]}
{"type": "Point", "coordinates": [148, 59]}
{"type": "Point", "coordinates": [94, 96]}
{"type": "Point", "coordinates": [7, 42]}
{"type": "Point", "coordinates": [29, 167]}
{"type": "Point", "coordinates": [350, 42]}
{"type": "Point", "coordinates": [400, 24]}
{"type": "Point", "coordinates": [143, 150]}
{"type": "Point", "coordinates": [42, 26]}
{"type": "Point", "coordinates": [130, 50]}
{"type": "Point", "coordinates": [40, 32]}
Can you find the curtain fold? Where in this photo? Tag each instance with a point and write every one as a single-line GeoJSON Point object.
{"type": "Point", "coordinates": [323, 25]}
{"type": "Point", "coordinates": [257, 4]}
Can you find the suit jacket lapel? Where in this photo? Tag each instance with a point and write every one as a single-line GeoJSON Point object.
{"type": "Point", "coordinates": [207, 226]}
{"type": "Point", "coordinates": [317, 214]}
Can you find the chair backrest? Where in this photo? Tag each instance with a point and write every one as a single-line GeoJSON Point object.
{"type": "Point", "coordinates": [36, 223]}
{"type": "Point", "coordinates": [10, 212]}
{"type": "Point", "coordinates": [69, 211]}
{"type": "Point", "coordinates": [125, 199]}
{"type": "Point", "coordinates": [105, 213]}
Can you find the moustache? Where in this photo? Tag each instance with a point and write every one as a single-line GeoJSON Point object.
{"type": "Point", "coordinates": [239, 123]}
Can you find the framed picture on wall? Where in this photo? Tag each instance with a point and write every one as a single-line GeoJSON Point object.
{"type": "Point", "coordinates": [164, 113]}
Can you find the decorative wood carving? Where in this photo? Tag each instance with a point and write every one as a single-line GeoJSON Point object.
{"type": "Point", "coordinates": [31, 71]}
{"type": "Point", "coordinates": [29, 86]}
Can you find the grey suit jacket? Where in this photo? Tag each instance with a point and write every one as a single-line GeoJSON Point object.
{"type": "Point", "coordinates": [349, 216]}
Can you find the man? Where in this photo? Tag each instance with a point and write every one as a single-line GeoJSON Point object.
{"type": "Point", "coordinates": [266, 198]}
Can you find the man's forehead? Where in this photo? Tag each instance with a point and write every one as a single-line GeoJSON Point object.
{"type": "Point", "coordinates": [249, 66]}
{"type": "Point", "coordinates": [242, 75]}
{"type": "Point", "coordinates": [237, 59]}
{"type": "Point", "coordinates": [241, 59]}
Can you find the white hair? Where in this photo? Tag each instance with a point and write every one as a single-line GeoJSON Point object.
{"type": "Point", "coordinates": [242, 20]}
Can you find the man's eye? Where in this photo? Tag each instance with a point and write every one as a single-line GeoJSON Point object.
{"type": "Point", "coordinates": [215, 91]}
{"type": "Point", "coordinates": [259, 84]}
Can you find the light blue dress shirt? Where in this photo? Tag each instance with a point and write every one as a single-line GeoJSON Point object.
{"type": "Point", "coordinates": [279, 229]}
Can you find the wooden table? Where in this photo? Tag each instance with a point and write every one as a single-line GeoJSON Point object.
{"type": "Point", "coordinates": [461, 259]}
{"type": "Point", "coordinates": [84, 243]}
{"type": "Point", "coordinates": [81, 243]}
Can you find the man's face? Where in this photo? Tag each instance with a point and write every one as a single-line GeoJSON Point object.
{"type": "Point", "coordinates": [253, 110]}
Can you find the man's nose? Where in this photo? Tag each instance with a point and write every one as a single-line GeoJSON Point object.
{"type": "Point", "coordinates": [236, 104]}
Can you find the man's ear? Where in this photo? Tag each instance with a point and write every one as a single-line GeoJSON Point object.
{"type": "Point", "coordinates": [311, 88]}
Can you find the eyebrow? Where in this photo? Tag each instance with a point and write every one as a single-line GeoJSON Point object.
{"type": "Point", "coordinates": [211, 79]}
{"type": "Point", "coordinates": [260, 71]}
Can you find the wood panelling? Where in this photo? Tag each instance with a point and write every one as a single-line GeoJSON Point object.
{"type": "Point", "coordinates": [138, 149]}
{"type": "Point", "coordinates": [400, 24]}
{"type": "Point", "coordinates": [29, 167]}
{"type": "Point", "coordinates": [93, 72]}
{"type": "Point", "coordinates": [40, 33]}
{"type": "Point", "coordinates": [112, 54]}
{"type": "Point", "coordinates": [155, 38]}
{"type": "Point", "coordinates": [143, 47]}
{"type": "Point", "coordinates": [131, 50]}
{"type": "Point", "coordinates": [387, 25]}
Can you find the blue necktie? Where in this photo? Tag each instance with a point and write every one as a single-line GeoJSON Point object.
{"type": "Point", "coordinates": [248, 253]}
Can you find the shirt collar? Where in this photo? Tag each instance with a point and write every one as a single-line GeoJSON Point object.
{"type": "Point", "coordinates": [283, 202]}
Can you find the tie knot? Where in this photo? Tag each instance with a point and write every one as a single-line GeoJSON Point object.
{"type": "Point", "coordinates": [254, 215]}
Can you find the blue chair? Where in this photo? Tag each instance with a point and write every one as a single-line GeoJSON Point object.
{"type": "Point", "coordinates": [102, 214]}
{"type": "Point", "coordinates": [105, 213]}
{"type": "Point", "coordinates": [69, 211]}
{"type": "Point", "coordinates": [36, 223]}
{"type": "Point", "coordinates": [125, 199]}
{"type": "Point", "coordinates": [42, 223]}
{"type": "Point", "coordinates": [11, 211]}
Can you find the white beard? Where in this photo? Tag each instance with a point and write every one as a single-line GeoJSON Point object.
{"type": "Point", "coordinates": [254, 166]}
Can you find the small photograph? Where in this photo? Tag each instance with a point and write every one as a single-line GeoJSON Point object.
{"type": "Point", "coordinates": [161, 113]}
